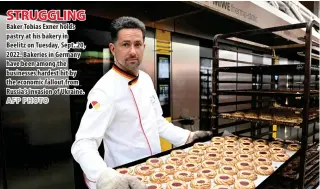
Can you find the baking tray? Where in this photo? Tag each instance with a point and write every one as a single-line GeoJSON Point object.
{"type": "Point", "coordinates": [291, 69]}
{"type": "Point", "coordinates": [163, 155]}
{"type": "Point", "coordinates": [292, 93]}
{"type": "Point", "coordinates": [312, 118]}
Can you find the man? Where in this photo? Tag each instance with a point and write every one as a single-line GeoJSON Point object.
{"type": "Point", "coordinates": [124, 112]}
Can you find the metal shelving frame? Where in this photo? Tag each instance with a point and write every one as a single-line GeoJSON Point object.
{"type": "Point", "coordinates": [205, 91]}
{"type": "Point", "coordinates": [310, 66]}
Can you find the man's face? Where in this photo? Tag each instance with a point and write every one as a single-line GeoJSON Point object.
{"type": "Point", "coordinates": [128, 49]}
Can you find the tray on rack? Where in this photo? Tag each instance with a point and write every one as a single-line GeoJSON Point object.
{"type": "Point", "coordinates": [278, 118]}
{"type": "Point", "coordinates": [291, 69]}
{"type": "Point", "coordinates": [165, 155]}
{"type": "Point", "coordinates": [294, 93]}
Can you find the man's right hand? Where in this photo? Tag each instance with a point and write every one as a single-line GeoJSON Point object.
{"type": "Point", "coordinates": [111, 179]}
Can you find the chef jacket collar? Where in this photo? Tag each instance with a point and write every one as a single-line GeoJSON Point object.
{"type": "Point", "coordinates": [132, 78]}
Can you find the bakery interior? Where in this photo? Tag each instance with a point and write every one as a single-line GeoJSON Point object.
{"type": "Point", "coordinates": [252, 79]}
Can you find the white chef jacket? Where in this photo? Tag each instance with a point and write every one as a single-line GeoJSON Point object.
{"type": "Point", "coordinates": [124, 111]}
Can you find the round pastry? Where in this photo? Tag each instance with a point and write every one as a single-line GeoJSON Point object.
{"type": "Point", "coordinates": [238, 114]}
{"type": "Point", "coordinates": [174, 160]}
{"type": "Point", "coordinates": [155, 162]}
{"type": "Point", "coordinates": [247, 174]}
{"type": "Point", "coordinates": [262, 161]}
{"type": "Point", "coordinates": [262, 154]}
{"type": "Point", "coordinates": [212, 156]}
{"type": "Point", "coordinates": [229, 153]}
{"type": "Point", "coordinates": [178, 153]}
{"type": "Point", "coordinates": [228, 169]}
{"type": "Point", "coordinates": [224, 179]}
{"type": "Point", "coordinates": [124, 171]}
{"type": "Point", "coordinates": [230, 142]}
{"type": "Point", "coordinates": [177, 184]}
{"type": "Point", "coordinates": [197, 152]}
{"type": "Point", "coordinates": [261, 147]}
{"type": "Point", "coordinates": [210, 164]}
{"type": "Point", "coordinates": [243, 165]}
{"type": "Point", "coordinates": [246, 151]}
{"type": "Point", "coordinates": [159, 178]}
{"type": "Point", "coordinates": [170, 169]}
{"type": "Point", "coordinates": [265, 116]}
{"type": "Point", "coordinates": [279, 157]}
{"type": "Point", "coordinates": [245, 139]}
{"type": "Point", "coordinates": [276, 144]}
{"type": "Point", "coordinates": [217, 144]}
{"type": "Point", "coordinates": [244, 184]}
{"type": "Point", "coordinates": [230, 147]}
{"type": "Point", "coordinates": [200, 183]}
{"type": "Point", "coordinates": [293, 147]}
{"type": "Point", "coordinates": [277, 150]}
{"type": "Point", "coordinates": [244, 157]}
{"type": "Point", "coordinates": [246, 144]}
{"type": "Point", "coordinates": [143, 170]}
{"type": "Point", "coordinates": [213, 149]}
{"type": "Point", "coordinates": [231, 137]}
{"type": "Point", "coordinates": [217, 139]}
{"type": "Point", "coordinates": [192, 159]}
{"type": "Point", "coordinates": [154, 186]}
{"type": "Point", "coordinates": [221, 187]}
{"type": "Point", "coordinates": [143, 179]}
{"type": "Point", "coordinates": [185, 176]}
{"type": "Point", "coordinates": [200, 145]}
{"type": "Point", "coordinates": [228, 161]}
{"type": "Point", "coordinates": [207, 173]}
{"type": "Point", "coordinates": [251, 115]}
{"type": "Point", "coordinates": [192, 167]}
{"type": "Point", "coordinates": [259, 141]}
{"type": "Point", "coordinates": [264, 170]}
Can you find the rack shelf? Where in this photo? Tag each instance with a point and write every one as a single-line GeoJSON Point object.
{"type": "Point", "coordinates": [256, 84]}
{"type": "Point", "coordinates": [314, 178]}
{"type": "Point", "coordinates": [313, 157]}
{"type": "Point", "coordinates": [292, 69]}
{"type": "Point", "coordinates": [294, 93]}
{"type": "Point", "coordinates": [271, 122]}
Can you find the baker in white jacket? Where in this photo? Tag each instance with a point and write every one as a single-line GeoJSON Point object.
{"type": "Point", "coordinates": [124, 112]}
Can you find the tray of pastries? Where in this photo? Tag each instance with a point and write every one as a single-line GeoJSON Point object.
{"type": "Point", "coordinates": [224, 162]}
{"type": "Point", "coordinates": [275, 117]}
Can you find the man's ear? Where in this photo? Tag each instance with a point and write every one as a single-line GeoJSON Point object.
{"type": "Point", "coordinates": [111, 47]}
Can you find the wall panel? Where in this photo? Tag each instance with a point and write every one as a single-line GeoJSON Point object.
{"type": "Point", "coordinates": [185, 77]}
{"type": "Point", "coordinates": [37, 138]}
{"type": "Point", "coordinates": [148, 63]}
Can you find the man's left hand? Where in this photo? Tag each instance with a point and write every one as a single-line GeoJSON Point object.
{"type": "Point", "coordinates": [198, 135]}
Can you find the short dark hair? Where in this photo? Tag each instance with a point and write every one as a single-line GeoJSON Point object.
{"type": "Point", "coordinates": [126, 22]}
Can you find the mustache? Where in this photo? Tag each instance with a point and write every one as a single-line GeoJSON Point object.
{"type": "Point", "coordinates": [132, 58]}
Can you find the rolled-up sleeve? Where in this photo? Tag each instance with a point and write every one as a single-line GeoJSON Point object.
{"type": "Point", "coordinates": [98, 116]}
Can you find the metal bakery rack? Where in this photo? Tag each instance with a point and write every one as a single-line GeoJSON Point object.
{"type": "Point", "coordinates": [274, 85]}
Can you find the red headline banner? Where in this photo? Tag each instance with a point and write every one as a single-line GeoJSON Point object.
{"type": "Point", "coordinates": [47, 15]}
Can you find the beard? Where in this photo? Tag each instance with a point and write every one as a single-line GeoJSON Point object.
{"type": "Point", "coordinates": [129, 65]}
{"type": "Point", "coordinates": [132, 65]}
